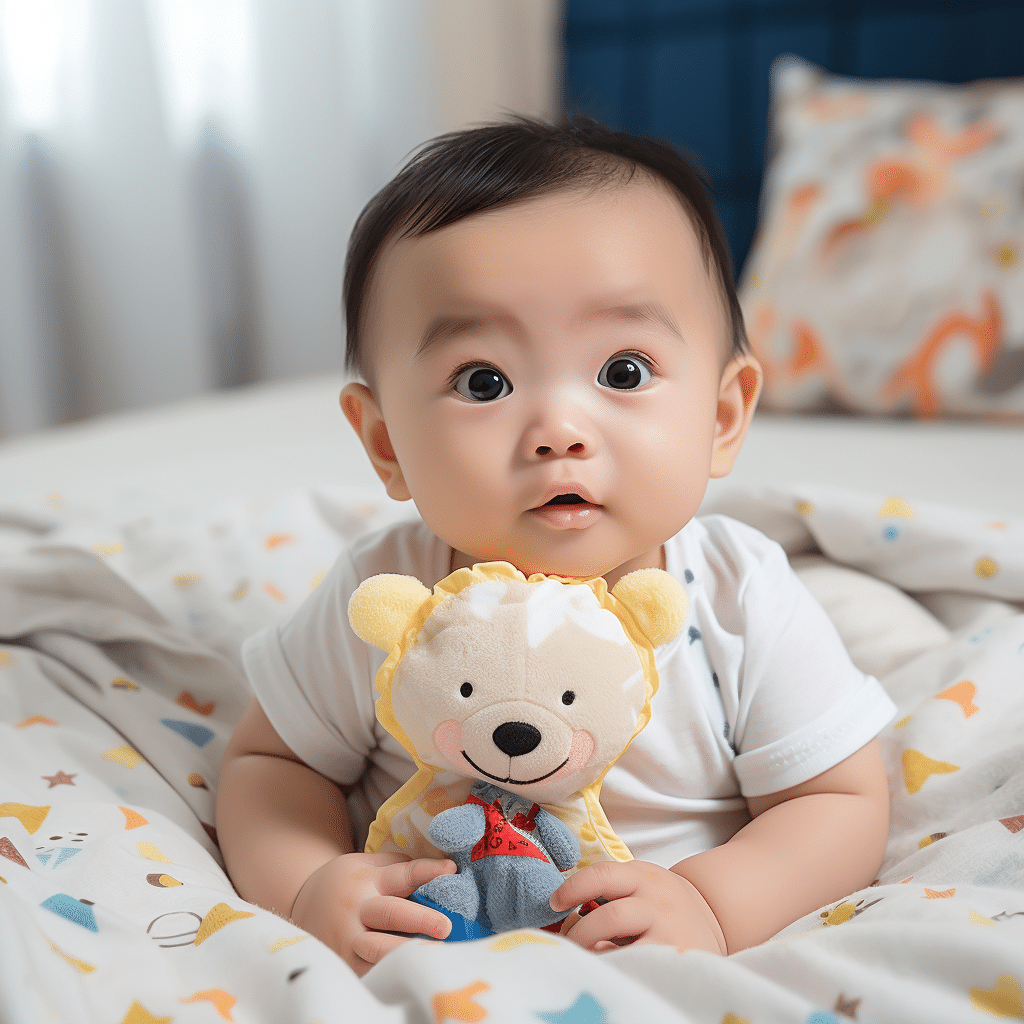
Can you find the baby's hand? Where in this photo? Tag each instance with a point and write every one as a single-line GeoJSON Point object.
{"type": "Point", "coordinates": [355, 901]}
{"type": "Point", "coordinates": [646, 903]}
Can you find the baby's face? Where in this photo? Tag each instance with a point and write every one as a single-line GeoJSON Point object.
{"type": "Point", "coordinates": [571, 345]}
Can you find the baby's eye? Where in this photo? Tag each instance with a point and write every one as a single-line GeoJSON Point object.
{"type": "Point", "coordinates": [482, 384]}
{"type": "Point", "coordinates": [624, 373]}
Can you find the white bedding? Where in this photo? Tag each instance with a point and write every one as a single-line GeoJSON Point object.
{"type": "Point", "coordinates": [180, 531]}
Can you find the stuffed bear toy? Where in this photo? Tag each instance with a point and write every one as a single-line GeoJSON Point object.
{"type": "Point", "coordinates": [513, 696]}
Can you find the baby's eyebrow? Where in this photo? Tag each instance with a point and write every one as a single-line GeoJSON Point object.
{"type": "Point", "coordinates": [448, 326]}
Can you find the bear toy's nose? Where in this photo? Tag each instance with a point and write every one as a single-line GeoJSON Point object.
{"type": "Point", "coordinates": [515, 738]}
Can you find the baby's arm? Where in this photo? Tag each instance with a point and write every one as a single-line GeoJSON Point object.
{"type": "Point", "coordinates": [805, 847]}
{"type": "Point", "coordinates": [286, 839]}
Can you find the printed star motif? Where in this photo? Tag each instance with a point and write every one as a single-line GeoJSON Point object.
{"type": "Point", "coordinates": [586, 1010]}
{"type": "Point", "coordinates": [60, 779]}
{"type": "Point", "coordinates": [847, 1007]}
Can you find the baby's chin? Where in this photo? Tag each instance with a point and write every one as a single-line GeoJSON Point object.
{"type": "Point", "coordinates": [571, 564]}
{"type": "Point", "coordinates": [530, 563]}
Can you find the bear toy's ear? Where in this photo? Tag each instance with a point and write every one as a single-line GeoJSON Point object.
{"type": "Point", "coordinates": [657, 602]}
{"type": "Point", "coordinates": [382, 607]}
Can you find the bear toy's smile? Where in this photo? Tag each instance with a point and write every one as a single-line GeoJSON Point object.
{"type": "Point", "coordinates": [509, 778]}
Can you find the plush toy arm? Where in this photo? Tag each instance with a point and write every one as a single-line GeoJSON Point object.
{"type": "Point", "coordinates": [457, 828]}
{"type": "Point", "coordinates": [558, 839]}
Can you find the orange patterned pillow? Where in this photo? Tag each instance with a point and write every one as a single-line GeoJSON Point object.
{"type": "Point", "coordinates": [888, 274]}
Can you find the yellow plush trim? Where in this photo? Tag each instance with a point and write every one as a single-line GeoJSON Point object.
{"type": "Point", "coordinates": [613, 845]}
{"type": "Point", "coordinates": [380, 830]}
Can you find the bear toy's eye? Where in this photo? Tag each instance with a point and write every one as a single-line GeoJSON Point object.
{"type": "Point", "coordinates": [467, 688]}
{"type": "Point", "coordinates": [568, 697]}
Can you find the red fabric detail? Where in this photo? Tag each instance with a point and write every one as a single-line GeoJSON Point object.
{"type": "Point", "coordinates": [525, 821]}
{"type": "Point", "coordinates": [499, 837]}
{"type": "Point", "coordinates": [555, 927]}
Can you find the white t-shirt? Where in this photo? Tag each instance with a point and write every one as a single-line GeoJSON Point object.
{"type": "Point", "coordinates": [756, 695]}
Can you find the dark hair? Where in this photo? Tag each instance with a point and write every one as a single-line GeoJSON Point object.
{"type": "Point", "coordinates": [465, 172]}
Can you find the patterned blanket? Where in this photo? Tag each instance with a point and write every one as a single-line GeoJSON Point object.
{"type": "Point", "coordinates": [114, 906]}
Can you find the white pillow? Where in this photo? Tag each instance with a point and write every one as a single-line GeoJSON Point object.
{"type": "Point", "coordinates": [881, 627]}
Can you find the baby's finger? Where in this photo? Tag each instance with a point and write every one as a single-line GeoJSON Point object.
{"type": "Point", "coordinates": [394, 914]}
{"type": "Point", "coordinates": [612, 881]}
{"type": "Point", "coordinates": [405, 877]}
{"type": "Point", "coordinates": [618, 919]}
{"type": "Point", "coordinates": [374, 946]}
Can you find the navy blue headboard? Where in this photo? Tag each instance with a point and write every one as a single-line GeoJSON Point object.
{"type": "Point", "coordinates": [695, 72]}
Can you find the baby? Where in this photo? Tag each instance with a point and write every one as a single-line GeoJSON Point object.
{"type": "Point", "coordinates": [555, 364]}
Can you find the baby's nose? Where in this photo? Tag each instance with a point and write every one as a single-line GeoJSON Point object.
{"type": "Point", "coordinates": [576, 448]}
{"type": "Point", "coordinates": [516, 738]}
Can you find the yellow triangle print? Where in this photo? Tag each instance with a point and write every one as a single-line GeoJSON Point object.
{"type": "Point", "coordinates": [6, 659]}
{"type": "Point", "coordinates": [217, 918]}
{"type": "Point", "coordinates": [79, 965]}
{"type": "Point", "coordinates": [895, 506]}
{"type": "Point", "coordinates": [150, 852]}
{"type": "Point", "coordinates": [125, 754]}
{"type": "Point", "coordinates": [289, 940]}
{"type": "Point", "coordinates": [460, 1004]}
{"type": "Point", "coordinates": [975, 918]}
{"type": "Point", "coordinates": [138, 1014]}
{"type": "Point", "coordinates": [1005, 1000]}
{"type": "Point", "coordinates": [30, 817]}
{"type": "Point", "coordinates": [917, 767]}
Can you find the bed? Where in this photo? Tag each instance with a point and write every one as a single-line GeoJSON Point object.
{"type": "Point", "coordinates": [139, 550]}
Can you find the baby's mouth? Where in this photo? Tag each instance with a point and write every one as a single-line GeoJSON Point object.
{"type": "Point", "coordinates": [568, 511]}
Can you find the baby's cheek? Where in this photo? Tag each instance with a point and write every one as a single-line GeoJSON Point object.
{"type": "Point", "coordinates": [447, 739]}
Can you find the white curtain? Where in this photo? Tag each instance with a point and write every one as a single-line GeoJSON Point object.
{"type": "Point", "coordinates": [178, 177]}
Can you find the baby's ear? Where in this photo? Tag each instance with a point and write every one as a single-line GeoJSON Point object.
{"type": "Point", "coordinates": [383, 606]}
{"type": "Point", "coordinates": [657, 602]}
{"type": "Point", "coordinates": [361, 410]}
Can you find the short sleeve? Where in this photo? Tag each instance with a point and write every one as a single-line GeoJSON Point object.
{"type": "Point", "coordinates": [314, 680]}
{"type": "Point", "coordinates": [800, 705]}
